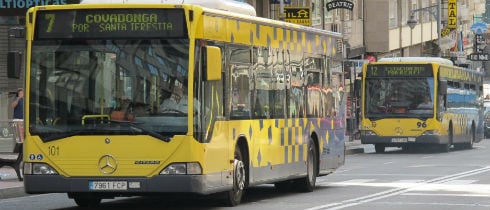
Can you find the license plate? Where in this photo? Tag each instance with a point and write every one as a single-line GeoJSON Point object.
{"type": "Point", "coordinates": [108, 185]}
{"type": "Point", "coordinates": [399, 140]}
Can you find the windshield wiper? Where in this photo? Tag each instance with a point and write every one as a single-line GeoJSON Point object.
{"type": "Point", "coordinates": [50, 136]}
{"type": "Point", "coordinates": [140, 129]}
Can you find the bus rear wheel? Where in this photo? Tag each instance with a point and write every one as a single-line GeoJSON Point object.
{"type": "Point", "coordinates": [307, 184]}
{"type": "Point", "coordinates": [234, 196]}
{"type": "Point", "coordinates": [447, 146]}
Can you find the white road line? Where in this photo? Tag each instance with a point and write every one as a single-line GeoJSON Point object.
{"type": "Point", "coordinates": [399, 190]}
{"type": "Point", "coordinates": [448, 194]}
{"type": "Point", "coordinates": [461, 182]}
{"type": "Point", "coordinates": [409, 181]}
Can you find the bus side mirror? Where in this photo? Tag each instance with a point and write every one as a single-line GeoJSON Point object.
{"type": "Point", "coordinates": [213, 63]}
{"type": "Point", "coordinates": [443, 87]}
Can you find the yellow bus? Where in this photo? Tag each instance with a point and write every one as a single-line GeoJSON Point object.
{"type": "Point", "coordinates": [109, 110]}
{"type": "Point", "coordinates": [411, 101]}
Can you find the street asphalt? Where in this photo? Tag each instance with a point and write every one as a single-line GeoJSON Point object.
{"type": "Point", "coordinates": [11, 187]}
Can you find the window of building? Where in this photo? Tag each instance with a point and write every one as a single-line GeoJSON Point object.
{"type": "Point", "coordinates": [9, 20]}
{"type": "Point", "coordinates": [393, 14]}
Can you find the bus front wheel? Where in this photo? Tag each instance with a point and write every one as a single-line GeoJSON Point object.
{"type": "Point", "coordinates": [379, 148]}
{"type": "Point", "coordinates": [87, 200]}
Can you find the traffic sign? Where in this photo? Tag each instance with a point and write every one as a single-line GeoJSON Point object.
{"type": "Point", "coordinates": [479, 57]}
{"type": "Point", "coordinates": [479, 28]}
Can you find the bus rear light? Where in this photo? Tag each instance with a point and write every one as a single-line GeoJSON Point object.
{"type": "Point", "coordinates": [182, 169]}
{"type": "Point", "coordinates": [39, 169]}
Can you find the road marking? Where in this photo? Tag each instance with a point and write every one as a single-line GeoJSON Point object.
{"type": "Point", "coordinates": [402, 188]}
{"type": "Point", "coordinates": [425, 204]}
{"type": "Point", "coordinates": [410, 181]}
{"type": "Point", "coordinates": [448, 194]}
{"type": "Point", "coordinates": [356, 181]}
{"type": "Point", "coordinates": [461, 182]}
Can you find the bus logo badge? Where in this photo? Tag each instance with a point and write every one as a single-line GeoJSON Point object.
{"type": "Point", "coordinates": [107, 164]}
{"type": "Point", "coordinates": [399, 131]}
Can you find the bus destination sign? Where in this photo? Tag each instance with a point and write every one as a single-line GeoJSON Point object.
{"type": "Point", "coordinates": [399, 70]}
{"type": "Point", "coordinates": [113, 23]}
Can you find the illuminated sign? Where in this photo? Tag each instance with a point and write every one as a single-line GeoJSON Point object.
{"type": "Point", "coordinates": [298, 15]}
{"type": "Point", "coordinates": [19, 7]}
{"type": "Point", "coordinates": [110, 23]}
{"type": "Point", "coordinates": [452, 14]}
{"type": "Point", "coordinates": [399, 70]}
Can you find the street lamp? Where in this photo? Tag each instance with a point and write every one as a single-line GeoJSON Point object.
{"type": "Point", "coordinates": [435, 10]}
{"type": "Point", "coordinates": [411, 22]}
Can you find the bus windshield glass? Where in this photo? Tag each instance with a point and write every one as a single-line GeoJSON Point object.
{"type": "Point", "coordinates": [399, 97]}
{"type": "Point", "coordinates": [108, 86]}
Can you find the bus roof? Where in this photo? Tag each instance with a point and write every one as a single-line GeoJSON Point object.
{"type": "Point", "coordinates": [226, 5]}
{"type": "Point", "coordinates": [418, 59]}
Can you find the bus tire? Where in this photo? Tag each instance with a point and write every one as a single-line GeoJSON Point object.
{"type": "Point", "coordinates": [234, 196]}
{"type": "Point", "coordinates": [447, 146]}
{"type": "Point", "coordinates": [307, 184]}
{"type": "Point", "coordinates": [379, 148]}
{"type": "Point", "coordinates": [87, 201]}
{"type": "Point", "coordinates": [469, 145]}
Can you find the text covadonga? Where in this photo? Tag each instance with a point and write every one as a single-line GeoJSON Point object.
{"type": "Point", "coordinates": [122, 22]}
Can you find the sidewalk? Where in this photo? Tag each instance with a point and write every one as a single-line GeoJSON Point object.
{"type": "Point", "coordinates": [11, 187]}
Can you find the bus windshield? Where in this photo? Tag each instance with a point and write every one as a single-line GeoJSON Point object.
{"type": "Point", "coordinates": [399, 97]}
{"type": "Point", "coordinates": [104, 86]}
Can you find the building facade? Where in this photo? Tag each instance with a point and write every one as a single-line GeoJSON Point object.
{"type": "Point", "coordinates": [371, 29]}
{"type": "Point", "coordinates": [388, 34]}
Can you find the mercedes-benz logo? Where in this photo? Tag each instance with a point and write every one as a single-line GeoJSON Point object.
{"type": "Point", "coordinates": [107, 164]}
{"type": "Point", "coordinates": [399, 131]}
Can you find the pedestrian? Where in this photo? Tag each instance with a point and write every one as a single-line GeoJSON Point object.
{"type": "Point", "coordinates": [18, 104]}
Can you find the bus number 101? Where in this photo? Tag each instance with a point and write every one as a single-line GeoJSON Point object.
{"type": "Point", "coordinates": [54, 150]}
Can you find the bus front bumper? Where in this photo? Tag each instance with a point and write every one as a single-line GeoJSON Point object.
{"type": "Point", "coordinates": [403, 140]}
{"type": "Point", "coordinates": [199, 184]}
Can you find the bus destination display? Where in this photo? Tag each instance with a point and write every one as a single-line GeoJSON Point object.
{"type": "Point", "coordinates": [390, 70]}
{"type": "Point", "coordinates": [114, 23]}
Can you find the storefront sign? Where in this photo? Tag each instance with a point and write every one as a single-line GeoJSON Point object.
{"type": "Point", "coordinates": [452, 14]}
{"type": "Point", "coordinates": [298, 15]}
{"type": "Point", "coordinates": [19, 7]}
{"type": "Point", "coordinates": [340, 4]}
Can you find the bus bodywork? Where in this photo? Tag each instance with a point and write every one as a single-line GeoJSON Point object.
{"type": "Point", "coordinates": [407, 103]}
{"type": "Point", "coordinates": [97, 77]}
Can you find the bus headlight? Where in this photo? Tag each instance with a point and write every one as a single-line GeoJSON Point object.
{"type": "Point", "coordinates": [368, 133]}
{"type": "Point", "coordinates": [39, 169]}
{"type": "Point", "coordinates": [182, 169]}
{"type": "Point", "coordinates": [430, 132]}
